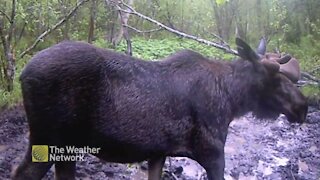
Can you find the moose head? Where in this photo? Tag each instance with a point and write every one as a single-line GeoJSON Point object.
{"type": "Point", "coordinates": [280, 95]}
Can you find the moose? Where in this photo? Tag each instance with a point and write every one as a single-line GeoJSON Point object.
{"type": "Point", "coordinates": [134, 110]}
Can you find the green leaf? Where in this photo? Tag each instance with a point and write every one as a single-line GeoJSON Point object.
{"type": "Point", "coordinates": [220, 2]}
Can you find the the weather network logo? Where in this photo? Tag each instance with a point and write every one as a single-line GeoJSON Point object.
{"type": "Point", "coordinates": [45, 153]}
{"type": "Point", "coordinates": [40, 153]}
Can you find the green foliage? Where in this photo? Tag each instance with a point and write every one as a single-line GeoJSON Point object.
{"type": "Point", "coordinates": [148, 49]}
{"type": "Point", "coordinates": [10, 98]}
{"type": "Point", "coordinates": [309, 57]}
{"type": "Point", "coordinates": [152, 49]}
{"type": "Point", "coordinates": [219, 2]}
{"type": "Point", "coordinates": [292, 25]}
{"type": "Point", "coordinates": [189, 16]}
{"type": "Point", "coordinates": [280, 14]}
{"type": "Point", "coordinates": [307, 52]}
{"type": "Point", "coordinates": [13, 97]}
{"type": "Point", "coordinates": [311, 91]}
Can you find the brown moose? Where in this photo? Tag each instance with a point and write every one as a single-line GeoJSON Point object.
{"type": "Point", "coordinates": [135, 110]}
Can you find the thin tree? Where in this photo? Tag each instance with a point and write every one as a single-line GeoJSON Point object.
{"type": "Point", "coordinates": [93, 13]}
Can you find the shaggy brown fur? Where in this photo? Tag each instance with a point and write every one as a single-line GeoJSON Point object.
{"type": "Point", "coordinates": [135, 110]}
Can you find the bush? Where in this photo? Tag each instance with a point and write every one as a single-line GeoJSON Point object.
{"type": "Point", "coordinates": [13, 97]}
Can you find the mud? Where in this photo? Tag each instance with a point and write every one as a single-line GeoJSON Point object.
{"type": "Point", "coordinates": [255, 149]}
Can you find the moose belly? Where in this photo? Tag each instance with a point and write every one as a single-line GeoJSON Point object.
{"type": "Point", "coordinates": [115, 150]}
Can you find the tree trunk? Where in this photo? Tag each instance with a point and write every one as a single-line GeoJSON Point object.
{"type": "Point", "coordinates": [110, 24]}
{"type": "Point", "coordinates": [123, 31]}
{"type": "Point", "coordinates": [93, 12]}
{"type": "Point", "coordinates": [66, 31]}
{"type": "Point", "coordinates": [10, 74]}
{"type": "Point", "coordinates": [224, 16]}
{"type": "Point", "coordinates": [64, 9]}
{"type": "Point", "coordinates": [259, 17]}
{"type": "Point", "coordinates": [242, 28]}
{"type": "Point", "coordinates": [8, 60]}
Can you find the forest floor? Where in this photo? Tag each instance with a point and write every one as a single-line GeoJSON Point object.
{"type": "Point", "coordinates": [255, 149]}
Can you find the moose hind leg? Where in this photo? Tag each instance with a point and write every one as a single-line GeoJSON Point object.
{"type": "Point", "coordinates": [29, 170]}
{"type": "Point", "coordinates": [65, 170]}
{"type": "Point", "coordinates": [155, 166]}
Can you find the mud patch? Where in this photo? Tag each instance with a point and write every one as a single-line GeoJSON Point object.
{"type": "Point", "coordinates": [255, 149]}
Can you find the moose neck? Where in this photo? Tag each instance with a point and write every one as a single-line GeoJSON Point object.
{"type": "Point", "coordinates": [244, 87]}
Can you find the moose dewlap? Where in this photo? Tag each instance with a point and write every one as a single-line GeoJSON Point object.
{"type": "Point", "coordinates": [78, 95]}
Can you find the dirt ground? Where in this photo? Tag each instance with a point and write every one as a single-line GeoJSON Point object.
{"type": "Point", "coordinates": [255, 149]}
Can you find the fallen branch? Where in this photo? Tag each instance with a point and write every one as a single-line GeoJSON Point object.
{"type": "Point", "coordinates": [302, 83]}
{"type": "Point", "coordinates": [307, 79]}
{"type": "Point", "coordinates": [188, 36]}
{"type": "Point", "coordinates": [171, 174]}
{"type": "Point", "coordinates": [220, 39]}
{"type": "Point", "coordinates": [310, 77]}
{"type": "Point", "coordinates": [315, 69]}
{"type": "Point", "coordinates": [47, 32]}
{"type": "Point", "coordinates": [140, 31]}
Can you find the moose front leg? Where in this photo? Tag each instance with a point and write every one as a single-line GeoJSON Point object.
{"type": "Point", "coordinates": [155, 166]}
{"type": "Point", "coordinates": [65, 170]}
{"type": "Point", "coordinates": [209, 153]}
{"type": "Point", "coordinates": [214, 166]}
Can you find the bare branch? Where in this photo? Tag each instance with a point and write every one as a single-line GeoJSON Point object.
{"type": "Point", "coordinates": [5, 15]}
{"type": "Point", "coordinates": [171, 174]}
{"type": "Point", "coordinates": [220, 39]}
{"type": "Point", "coordinates": [140, 31]}
{"type": "Point", "coordinates": [200, 40]}
{"type": "Point", "coordinates": [315, 69]}
{"type": "Point", "coordinates": [20, 34]}
{"type": "Point", "coordinates": [47, 32]}
{"type": "Point", "coordinates": [310, 77]}
{"type": "Point", "coordinates": [127, 5]}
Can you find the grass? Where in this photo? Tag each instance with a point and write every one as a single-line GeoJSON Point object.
{"type": "Point", "coordinates": [311, 91]}
{"type": "Point", "coordinates": [10, 98]}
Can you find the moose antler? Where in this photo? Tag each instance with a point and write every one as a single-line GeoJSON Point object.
{"type": "Point", "coordinates": [291, 69]}
{"type": "Point", "coordinates": [285, 64]}
{"type": "Point", "coordinates": [275, 62]}
{"type": "Point", "coordinates": [289, 66]}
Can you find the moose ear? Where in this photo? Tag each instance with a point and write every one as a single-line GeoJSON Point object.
{"type": "Point", "coordinates": [245, 51]}
{"type": "Point", "coordinates": [262, 47]}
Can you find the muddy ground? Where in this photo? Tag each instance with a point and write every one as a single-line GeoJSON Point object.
{"type": "Point", "coordinates": [255, 149]}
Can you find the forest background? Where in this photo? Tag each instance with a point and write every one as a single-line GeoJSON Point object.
{"type": "Point", "coordinates": [28, 26]}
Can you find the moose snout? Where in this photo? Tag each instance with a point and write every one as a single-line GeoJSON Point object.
{"type": "Point", "coordinates": [297, 115]}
